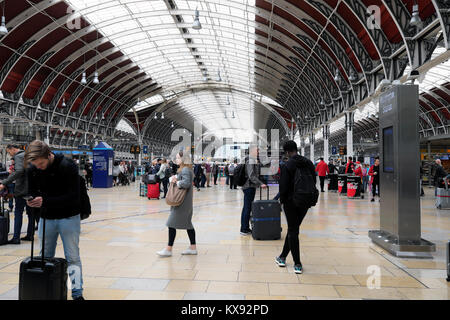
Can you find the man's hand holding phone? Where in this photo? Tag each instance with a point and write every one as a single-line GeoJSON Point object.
{"type": "Point", "coordinates": [34, 202]}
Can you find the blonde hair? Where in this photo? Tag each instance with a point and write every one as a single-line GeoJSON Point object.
{"type": "Point", "coordinates": [185, 161]}
{"type": "Point", "coordinates": [36, 150]}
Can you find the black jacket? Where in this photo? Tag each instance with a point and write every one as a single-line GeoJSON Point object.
{"type": "Point", "coordinates": [59, 186]}
{"type": "Point", "coordinates": [438, 174]}
{"type": "Point", "coordinates": [287, 175]}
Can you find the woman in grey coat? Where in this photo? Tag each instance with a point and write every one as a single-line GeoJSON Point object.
{"type": "Point", "coordinates": [181, 216]}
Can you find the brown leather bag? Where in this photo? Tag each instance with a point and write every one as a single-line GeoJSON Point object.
{"type": "Point", "coordinates": [175, 196]}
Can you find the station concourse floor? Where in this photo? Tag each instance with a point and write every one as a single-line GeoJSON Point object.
{"type": "Point", "coordinates": [119, 241]}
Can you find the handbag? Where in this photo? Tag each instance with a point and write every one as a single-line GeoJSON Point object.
{"type": "Point", "coordinates": [175, 196]}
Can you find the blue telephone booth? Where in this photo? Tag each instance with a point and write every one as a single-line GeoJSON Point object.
{"type": "Point", "coordinates": [102, 166]}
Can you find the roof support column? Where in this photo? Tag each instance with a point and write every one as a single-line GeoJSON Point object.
{"type": "Point", "coordinates": [326, 135]}
{"type": "Point", "coordinates": [47, 134]}
{"type": "Point", "coordinates": [312, 139]}
{"type": "Point", "coordinates": [302, 146]}
{"type": "Point", "coordinates": [349, 122]}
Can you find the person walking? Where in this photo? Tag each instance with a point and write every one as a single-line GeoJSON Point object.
{"type": "Point", "coordinates": [163, 175]}
{"type": "Point", "coordinates": [252, 170]}
{"type": "Point", "coordinates": [208, 174]}
{"type": "Point", "coordinates": [365, 172]}
{"type": "Point", "coordinates": [322, 169]}
{"type": "Point", "coordinates": [54, 184]}
{"type": "Point", "coordinates": [350, 165]}
{"type": "Point", "coordinates": [231, 168]}
{"type": "Point", "coordinates": [331, 167]}
{"type": "Point", "coordinates": [20, 190]}
{"type": "Point", "coordinates": [374, 172]}
{"type": "Point", "coordinates": [215, 172]}
{"type": "Point", "coordinates": [294, 214]}
{"type": "Point", "coordinates": [181, 216]}
{"type": "Point", "coordinates": [197, 175]}
{"type": "Point", "coordinates": [439, 174]}
{"type": "Point", "coordinates": [227, 181]}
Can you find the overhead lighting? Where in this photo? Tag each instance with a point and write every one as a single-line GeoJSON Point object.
{"type": "Point", "coordinates": [337, 76]}
{"type": "Point", "coordinates": [155, 117]}
{"type": "Point", "coordinates": [171, 125]}
{"type": "Point", "coordinates": [3, 29]}
{"type": "Point", "coordinates": [95, 81]}
{"type": "Point", "coordinates": [63, 104]}
{"type": "Point", "coordinates": [228, 100]}
{"type": "Point", "coordinates": [322, 102]}
{"type": "Point", "coordinates": [196, 25]}
{"type": "Point", "coordinates": [415, 19]}
{"type": "Point", "coordinates": [83, 78]}
{"type": "Point", "coordinates": [219, 78]}
{"type": "Point", "coordinates": [298, 116]}
{"type": "Point", "coordinates": [352, 76]}
{"type": "Point", "coordinates": [232, 114]}
{"type": "Point", "coordinates": [205, 76]}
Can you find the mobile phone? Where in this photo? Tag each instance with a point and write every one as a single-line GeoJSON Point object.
{"type": "Point", "coordinates": [28, 198]}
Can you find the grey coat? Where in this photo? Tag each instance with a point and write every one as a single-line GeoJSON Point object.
{"type": "Point", "coordinates": [181, 217]}
{"type": "Point", "coordinates": [19, 175]}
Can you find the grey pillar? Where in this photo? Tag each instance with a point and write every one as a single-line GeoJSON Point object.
{"type": "Point", "coordinates": [312, 140]}
{"type": "Point", "coordinates": [47, 134]}
{"type": "Point", "coordinates": [326, 135]}
{"type": "Point", "coordinates": [349, 121]}
{"type": "Point", "coordinates": [302, 146]}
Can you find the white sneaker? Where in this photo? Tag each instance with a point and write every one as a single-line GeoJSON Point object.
{"type": "Point", "coordinates": [165, 253]}
{"type": "Point", "coordinates": [189, 251]}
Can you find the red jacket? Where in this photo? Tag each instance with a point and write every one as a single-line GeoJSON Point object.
{"type": "Point", "coordinates": [322, 168]}
{"type": "Point", "coordinates": [371, 173]}
{"type": "Point", "coordinates": [358, 172]}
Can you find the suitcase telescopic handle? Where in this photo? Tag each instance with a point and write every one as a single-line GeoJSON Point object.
{"type": "Point", "coordinates": [260, 193]}
{"type": "Point", "coordinates": [43, 237]}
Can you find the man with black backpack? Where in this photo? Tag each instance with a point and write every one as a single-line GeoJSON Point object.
{"type": "Point", "coordinates": [298, 193]}
{"type": "Point", "coordinates": [54, 186]}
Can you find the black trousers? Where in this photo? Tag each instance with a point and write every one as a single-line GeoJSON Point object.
{"type": "Point", "coordinates": [173, 233]}
{"type": "Point", "coordinates": [215, 178]}
{"type": "Point", "coordinates": [322, 182]}
{"type": "Point", "coordinates": [232, 183]}
{"type": "Point", "coordinates": [294, 217]}
{"type": "Point", "coordinates": [374, 188]}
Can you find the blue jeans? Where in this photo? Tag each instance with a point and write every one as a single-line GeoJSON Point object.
{"type": "Point", "coordinates": [249, 196]}
{"type": "Point", "coordinates": [69, 230]}
{"type": "Point", "coordinates": [21, 204]}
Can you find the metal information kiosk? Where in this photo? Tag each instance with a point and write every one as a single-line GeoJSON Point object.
{"type": "Point", "coordinates": [400, 226]}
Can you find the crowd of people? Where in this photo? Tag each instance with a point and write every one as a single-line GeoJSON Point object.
{"type": "Point", "coordinates": [47, 187]}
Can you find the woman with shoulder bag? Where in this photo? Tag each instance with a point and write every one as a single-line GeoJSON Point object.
{"type": "Point", "coordinates": [181, 216]}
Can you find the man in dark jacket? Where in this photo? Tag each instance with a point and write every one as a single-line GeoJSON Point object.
{"type": "Point", "coordinates": [252, 173]}
{"type": "Point", "coordinates": [439, 174]}
{"type": "Point", "coordinates": [55, 186]}
{"type": "Point", "coordinates": [20, 190]}
{"type": "Point", "coordinates": [294, 214]}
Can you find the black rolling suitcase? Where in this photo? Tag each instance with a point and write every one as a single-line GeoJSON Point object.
{"type": "Point", "coordinates": [266, 219]}
{"type": "Point", "coordinates": [43, 278]}
{"type": "Point", "coordinates": [4, 222]}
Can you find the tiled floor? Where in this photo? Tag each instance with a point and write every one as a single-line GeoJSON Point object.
{"type": "Point", "coordinates": [119, 243]}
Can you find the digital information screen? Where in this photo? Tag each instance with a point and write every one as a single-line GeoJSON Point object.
{"type": "Point", "coordinates": [388, 149]}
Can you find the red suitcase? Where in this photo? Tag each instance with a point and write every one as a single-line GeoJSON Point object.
{"type": "Point", "coordinates": [153, 191]}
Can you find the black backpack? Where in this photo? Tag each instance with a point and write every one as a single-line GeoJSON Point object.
{"type": "Point", "coordinates": [305, 191]}
{"type": "Point", "coordinates": [168, 172]}
{"type": "Point", "coordinates": [85, 203]}
{"type": "Point", "coordinates": [239, 175]}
